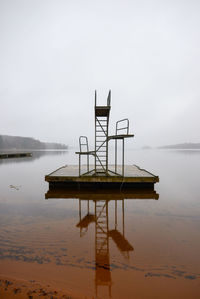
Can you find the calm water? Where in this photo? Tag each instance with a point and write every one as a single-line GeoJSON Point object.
{"type": "Point", "coordinates": [138, 248]}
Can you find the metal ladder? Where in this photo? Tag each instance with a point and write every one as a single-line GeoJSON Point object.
{"type": "Point", "coordinates": [101, 136]}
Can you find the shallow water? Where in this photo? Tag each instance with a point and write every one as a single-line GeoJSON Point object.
{"type": "Point", "coordinates": [147, 248]}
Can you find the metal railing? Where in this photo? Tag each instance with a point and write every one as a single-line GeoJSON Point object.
{"type": "Point", "coordinates": [83, 142]}
{"type": "Point", "coordinates": [126, 125]}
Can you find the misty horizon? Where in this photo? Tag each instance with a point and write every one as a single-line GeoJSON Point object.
{"type": "Point", "coordinates": [54, 54]}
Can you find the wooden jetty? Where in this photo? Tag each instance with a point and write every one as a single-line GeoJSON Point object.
{"type": "Point", "coordinates": [68, 176]}
{"type": "Point", "coordinates": [14, 155]}
{"type": "Point", "coordinates": [102, 174]}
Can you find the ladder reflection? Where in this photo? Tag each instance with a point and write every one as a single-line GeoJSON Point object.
{"type": "Point", "coordinates": [98, 213]}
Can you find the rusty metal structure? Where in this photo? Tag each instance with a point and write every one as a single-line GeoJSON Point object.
{"type": "Point", "coordinates": [100, 217]}
{"type": "Point", "coordinates": [102, 138]}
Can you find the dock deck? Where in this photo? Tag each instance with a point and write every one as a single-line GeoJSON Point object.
{"type": "Point", "coordinates": [69, 174]}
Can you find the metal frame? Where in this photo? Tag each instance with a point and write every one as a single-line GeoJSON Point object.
{"type": "Point", "coordinates": [127, 132]}
{"type": "Point", "coordinates": [87, 153]}
{"type": "Point", "coordinates": [101, 136]}
{"type": "Point", "coordinates": [102, 140]}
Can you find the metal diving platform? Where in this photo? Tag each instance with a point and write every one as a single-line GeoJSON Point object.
{"type": "Point", "coordinates": [100, 173]}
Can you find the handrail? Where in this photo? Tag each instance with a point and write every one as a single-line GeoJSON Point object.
{"type": "Point", "coordinates": [95, 98]}
{"type": "Point", "coordinates": [108, 98]}
{"type": "Point", "coordinates": [82, 144]}
{"type": "Point", "coordinates": [126, 126]}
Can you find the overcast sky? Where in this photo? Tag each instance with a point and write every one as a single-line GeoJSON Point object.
{"type": "Point", "coordinates": [54, 54]}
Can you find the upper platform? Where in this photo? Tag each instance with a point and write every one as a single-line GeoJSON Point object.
{"type": "Point", "coordinates": [102, 111]}
{"type": "Point", "coordinates": [120, 136]}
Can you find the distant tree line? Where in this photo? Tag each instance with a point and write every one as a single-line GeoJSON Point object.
{"type": "Point", "coordinates": [18, 143]}
{"type": "Point", "coordinates": [187, 145]}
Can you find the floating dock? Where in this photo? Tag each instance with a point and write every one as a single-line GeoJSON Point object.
{"type": "Point", "coordinates": [134, 177]}
{"type": "Point", "coordinates": [109, 194]}
{"type": "Point", "coordinates": [102, 174]}
{"type": "Point", "coordinates": [14, 155]}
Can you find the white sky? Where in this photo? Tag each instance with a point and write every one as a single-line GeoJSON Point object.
{"type": "Point", "coordinates": [54, 54]}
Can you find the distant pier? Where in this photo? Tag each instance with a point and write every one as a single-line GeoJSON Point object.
{"type": "Point", "coordinates": [14, 155]}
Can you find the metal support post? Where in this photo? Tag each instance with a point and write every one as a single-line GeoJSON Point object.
{"type": "Point", "coordinates": [116, 214]}
{"type": "Point", "coordinates": [79, 165]}
{"type": "Point", "coordinates": [123, 215]}
{"type": "Point", "coordinates": [123, 157]}
{"type": "Point", "coordinates": [115, 155]}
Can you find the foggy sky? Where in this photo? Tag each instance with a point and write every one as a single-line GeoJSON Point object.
{"type": "Point", "coordinates": [54, 54]}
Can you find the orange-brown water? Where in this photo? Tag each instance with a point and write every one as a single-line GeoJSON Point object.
{"type": "Point", "coordinates": [137, 248]}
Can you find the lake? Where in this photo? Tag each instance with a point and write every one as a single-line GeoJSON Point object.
{"type": "Point", "coordinates": [138, 248]}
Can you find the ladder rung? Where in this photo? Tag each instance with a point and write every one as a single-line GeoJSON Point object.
{"type": "Point", "coordinates": [101, 167]}
{"type": "Point", "coordinates": [101, 147]}
{"type": "Point", "coordinates": [102, 200]}
{"type": "Point", "coordinates": [103, 152]}
{"type": "Point", "coordinates": [99, 229]}
{"type": "Point", "coordinates": [101, 131]}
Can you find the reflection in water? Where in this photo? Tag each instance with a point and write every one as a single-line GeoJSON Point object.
{"type": "Point", "coordinates": [186, 151]}
{"type": "Point", "coordinates": [103, 229]}
{"type": "Point", "coordinates": [102, 235]}
{"type": "Point", "coordinates": [39, 239]}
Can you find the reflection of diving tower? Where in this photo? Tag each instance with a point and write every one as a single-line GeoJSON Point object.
{"type": "Point", "coordinates": [119, 238]}
{"type": "Point", "coordinates": [102, 234]}
{"type": "Point", "coordinates": [102, 257]}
